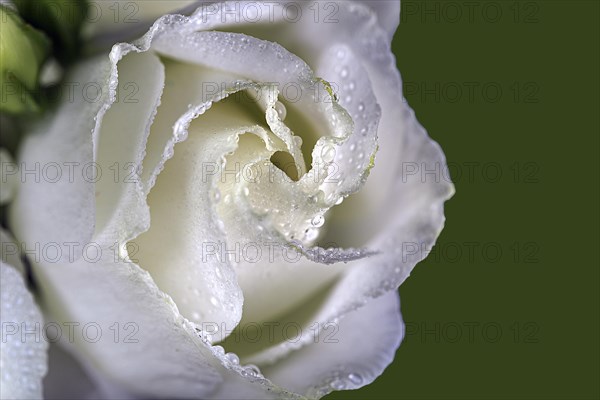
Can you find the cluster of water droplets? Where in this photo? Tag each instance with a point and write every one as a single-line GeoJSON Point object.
{"type": "Point", "coordinates": [249, 371]}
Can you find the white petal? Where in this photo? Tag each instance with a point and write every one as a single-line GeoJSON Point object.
{"type": "Point", "coordinates": [180, 248]}
{"type": "Point", "coordinates": [347, 354]}
{"type": "Point", "coordinates": [66, 378]}
{"type": "Point", "coordinates": [23, 349]}
{"type": "Point", "coordinates": [120, 144]}
{"type": "Point", "coordinates": [272, 63]}
{"type": "Point", "coordinates": [185, 86]}
{"type": "Point", "coordinates": [62, 145]}
{"type": "Point", "coordinates": [388, 14]}
{"type": "Point", "coordinates": [145, 349]}
{"type": "Point", "coordinates": [264, 61]}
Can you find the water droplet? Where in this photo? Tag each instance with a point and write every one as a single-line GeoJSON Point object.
{"type": "Point", "coordinates": [348, 99]}
{"type": "Point", "coordinates": [353, 147]}
{"type": "Point", "coordinates": [337, 384]}
{"type": "Point", "coordinates": [214, 301]}
{"type": "Point", "coordinates": [232, 358]}
{"type": "Point", "coordinates": [355, 378]}
{"type": "Point", "coordinates": [252, 370]}
{"type": "Point", "coordinates": [227, 199]}
{"type": "Point", "coordinates": [219, 350]}
{"type": "Point", "coordinates": [318, 221]}
{"type": "Point", "coordinates": [328, 154]}
{"type": "Point", "coordinates": [281, 110]}
{"type": "Point", "coordinates": [340, 53]}
{"type": "Point", "coordinates": [311, 234]}
{"type": "Point", "coordinates": [246, 191]}
{"type": "Point", "coordinates": [361, 107]}
{"type": "Point", "coordinates": [351, 85]}
{"type": "Point", "coordinates": [344, 72]}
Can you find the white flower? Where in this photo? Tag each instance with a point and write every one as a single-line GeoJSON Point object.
{"type": "Point", "coordinates": [173, 226]}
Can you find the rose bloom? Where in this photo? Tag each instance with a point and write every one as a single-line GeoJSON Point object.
{"type": "Point", "coordinates": [237, 197]}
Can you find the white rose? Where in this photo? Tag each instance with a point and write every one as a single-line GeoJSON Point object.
{"type": "Point", "coordinates": [164, 251]}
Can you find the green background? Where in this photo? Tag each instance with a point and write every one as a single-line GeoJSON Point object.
{"type": "Point", "coordinates": [542, 135]}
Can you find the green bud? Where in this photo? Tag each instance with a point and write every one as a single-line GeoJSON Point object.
{"type": "Point", "coordinates": [61, 20]}
{"type": "Point", "coordinates": [23, 50]}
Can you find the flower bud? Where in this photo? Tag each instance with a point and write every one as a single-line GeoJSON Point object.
{"type": "Point", "coordinates": [60, 20]}
{"type": "Point", "coordinates": [23, 50]}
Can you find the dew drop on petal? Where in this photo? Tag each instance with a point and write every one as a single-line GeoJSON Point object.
{"type": "Point", "coordinates": [232, 358]}
{"type": "Point", "coordinates": [338, 385]}
{"type": "Point", "coordinates": [281, 110]}
{"type": "Point", "coordinates": [311, 234]}
{"type": "Point", "coordinates": [328, 154]}
{"type": "Point", "coordinates": [355, 378]}
{"type": "Point", "coordinates": [219, 350]}
{"type": "Point", "coordinates": [318, 221]}
{"type": "Point", "coordinates": [252, 370]}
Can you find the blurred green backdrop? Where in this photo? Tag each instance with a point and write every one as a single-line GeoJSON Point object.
{"type": "Point", "coordinates": [507, 305]}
